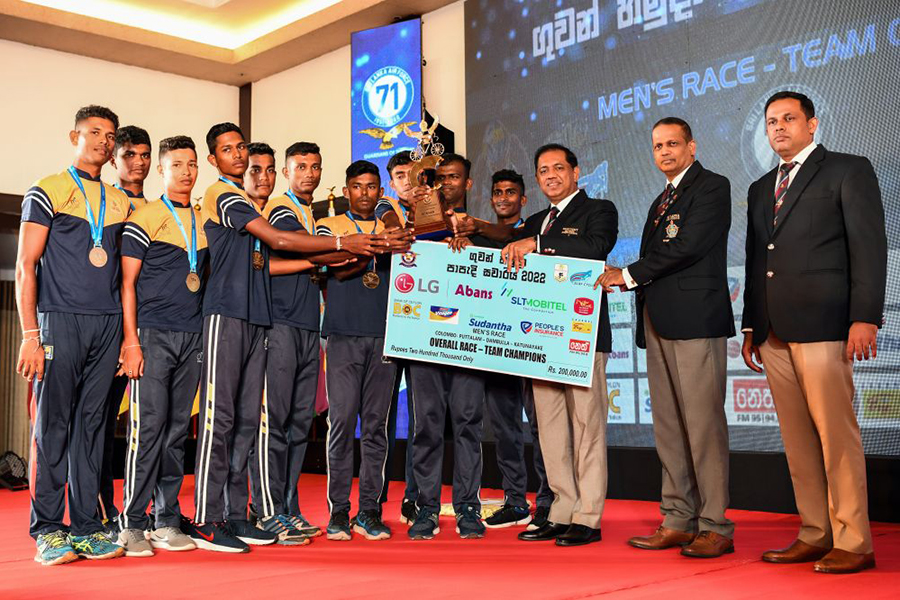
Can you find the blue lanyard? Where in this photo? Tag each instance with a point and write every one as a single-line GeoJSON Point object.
{"type": "Point", "coordinates": [96, 228]}
{"type": "Point", "coordinates": [403, 209]}
{"type": "Point", "coordinates": [358, 228]}
{"type": "Point", "coordinates": [256, 246]}
{"type": "Point", "coordinates": [191, 245]}
{"type": "Point", "coordinates": [300, 205]}
{"type": "Point", "coordinates": [130, 201]}
{"type": "Point", "coordinates": [521, 221]}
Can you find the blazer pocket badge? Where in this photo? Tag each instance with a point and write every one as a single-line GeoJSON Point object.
{"type": "Point", "coordinates": [570, 231]}
{"type": "Point", "coordinates": [671, 230]}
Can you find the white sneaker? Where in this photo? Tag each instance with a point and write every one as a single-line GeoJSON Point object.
{"type": "Point", "coordinates": [171, 538]}
{"type": "Point", "coordinates": [135, 544]}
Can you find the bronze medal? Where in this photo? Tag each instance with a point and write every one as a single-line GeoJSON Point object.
{"type": "Point", "coordinates": [371, 279]}
{"type": "Point", "coordinates": [258, 260]}
{"type": "Point", "coordinates": [98, 257]}
{"type": "Point", "coordinates": [193, 282]}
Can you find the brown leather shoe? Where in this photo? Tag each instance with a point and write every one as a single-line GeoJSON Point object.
{"type": "Point", "coordinates": [798, 552]}
{"type": "Point", "coordinates": [708, 544]}
{"type": "Point", "coordinates": [663, 538]}
{"type": "Point", "coordinates": [841, 561]}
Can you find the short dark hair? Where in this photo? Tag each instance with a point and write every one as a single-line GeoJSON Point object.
{"type": "Point", "coordinates": [570, 156]}
{"type": "Point", "coordinates": [508, 175]}
{"type": "Point", "coordinates": [685, 128]}
{"type": "Point", "coordinates": [177, 142]}
{"type": "Point", "coordinates": [302, 148]}
{"type": "Point", "coordinates": [806, 104]}
{"type": "Point", "coordinates": [256, 148]}
{"type": "Point", "coordinates": [452, 157]}
{"type": "Point", "coordinates": [133, 135]}
{"type": "Point", "coordinates": [362, 167]}
{"type": "Point", "coordinates": [398, 160]}
{"type": "Point", "coordinates": [86, 112]}
{"type": "Point", "coordinates": [218, 129]}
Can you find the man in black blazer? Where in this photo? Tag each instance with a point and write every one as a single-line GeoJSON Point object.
{"type": "Point", "coordinates": [571, 419]}
{"type": "Point", "coordinates": [816, 269]}
{"type": "Point", "coordinates": [684, 319]}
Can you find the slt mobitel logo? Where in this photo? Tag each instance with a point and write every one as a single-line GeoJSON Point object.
{"type": "Point", "coordinates": [404, 283]}
{"type": "Point", "coordinates": [584, 306]}
{"type": "Point", "coordinates": [408, 310]}
{"type": "Point", "coordinates": [538, 304]}
{"type": "Point", "coordinates": [581, 278]}
{"type": "Point", "coordinates": [444, 314]}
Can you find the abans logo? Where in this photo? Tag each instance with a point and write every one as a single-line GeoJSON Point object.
{"type": "Point", "coordinates": [444, 314]}
{"type": "Point", "coordinates": [584, 306]}
{"type": "Point", "coordinates": [526, 326]}
{"type": "Point", "coordinates": [464, 290]}
{"type": "Point", "coordinates": [579, 346]}
{"type": "Point", "coordinates": [404, 283]}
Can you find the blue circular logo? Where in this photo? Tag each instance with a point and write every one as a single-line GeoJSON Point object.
{"type": "Point", "coordinates": [387, 96]}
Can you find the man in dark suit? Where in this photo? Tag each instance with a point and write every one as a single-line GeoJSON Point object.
{"type": "Point", "coordinates": [815, 277]}
{"type": "Point", "coordinates": [684, 319]}
{"type": "Point", "coordinates": [571, 419]}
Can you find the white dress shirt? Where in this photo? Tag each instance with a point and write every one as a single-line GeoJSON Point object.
{"type": "Point", "coordinates": [630, 283]}
{"type": "Point", "coordinates": [561, 206]}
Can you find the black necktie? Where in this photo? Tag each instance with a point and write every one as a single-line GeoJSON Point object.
{"type": "Point", "coordinates": [667, 199]}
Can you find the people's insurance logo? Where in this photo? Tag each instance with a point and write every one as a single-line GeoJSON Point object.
{"type": "Point", "coordinates": [387, 96]}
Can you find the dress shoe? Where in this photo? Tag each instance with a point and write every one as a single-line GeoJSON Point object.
{"type": "Point", "coordinates": [841, 561]}
{"type": "Point", "coordinates": [663, 538]}
{"type": "Point", "coordinates": [798, 552]}
{"type": "Point", "coordinates": [548, 532]}
{"type": "Point", "coordinates": [578, 535]}
{"type": "Point", "coordinates": [708, 544]}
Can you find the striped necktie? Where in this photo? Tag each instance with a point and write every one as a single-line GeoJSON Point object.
{"type": "Point", "coordinates": [784, 180]}
{"type": "Point", "coordinates": [553, 212]}
{"type": "Point", "coordinates": [667, 199]}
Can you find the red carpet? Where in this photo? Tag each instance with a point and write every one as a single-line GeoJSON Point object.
{"type": "Point", "coordinates": [498, 566]}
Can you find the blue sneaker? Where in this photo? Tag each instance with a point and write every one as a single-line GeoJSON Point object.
{"type": "Point", "coordinates": [468, 523]}
{"type": "Point", "coordinates": [96, 546]}
{"type": "Point", "coordinates": [54, 549]}
{"type": "Point", "coordinates": [426, 525]}
{"type": "Point", "coordinates": [369, 524]}
{"type": "Point", "coordinates": [339, 527]}
{"type": "Point", "coordinates": [283, 527]}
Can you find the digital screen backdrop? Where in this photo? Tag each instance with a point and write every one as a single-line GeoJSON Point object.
{"type": "Point", "coordinates": [596, 74]}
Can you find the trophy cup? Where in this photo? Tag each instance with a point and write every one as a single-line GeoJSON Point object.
{"type": "Point", "coordinates": [429, 221]}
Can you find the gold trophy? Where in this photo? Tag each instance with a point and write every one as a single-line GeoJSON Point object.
{"type": "Point", "coordinates": [429, 221]}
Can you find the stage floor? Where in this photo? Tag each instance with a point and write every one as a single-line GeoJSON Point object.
{"type": "Point", "coordinates": [498, 566]}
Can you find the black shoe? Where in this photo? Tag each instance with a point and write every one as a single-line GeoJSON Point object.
{"type": "Point", "coordinates": [250, 534]}
{"type": "Point", "coordinates": [408, 512]}
{"type": "Point", "coordinates": [339, 526]}
{"type": "Point", "coordinates": [426, 525]}
{"type": "Point", "coordinates": [540, 518]}
{"type": "Point", "coordinates": [578, 535]}
{"type": "Point", "coordinates": [548, 532]}
{"type": "Point", "coordinates": [468, 523]}
{"type": "Point", "coordinates": [218, 538]}
{"type": "Point", "coordinates": [508, 516]}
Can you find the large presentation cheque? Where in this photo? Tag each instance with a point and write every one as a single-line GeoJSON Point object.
{"type": "Point", "coordinates": [465, 309]}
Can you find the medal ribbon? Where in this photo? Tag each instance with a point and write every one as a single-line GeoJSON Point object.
{"type": "Point", "coordinates": [96, 228]}
{"type": "Point", "coordinates": [359, 229]}
{"type": "Point", "coordinates": [223, 179]}
{"type": "Point", "coordinates": [519, 223]}
{"type": "Point", "coordinates": [191, 245]}
{"type": "Point", "coordinates": [301, 206]}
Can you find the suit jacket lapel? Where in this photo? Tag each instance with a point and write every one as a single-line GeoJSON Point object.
{"type": "Point", "coordinates": [564, 216]}
{"type": "Point", "coordinates": [767, 193]}
{"type": "Point", "coordinates": [683, 185]}
{"type": "Point", "coordinates": [807, 170]}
